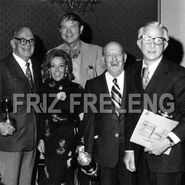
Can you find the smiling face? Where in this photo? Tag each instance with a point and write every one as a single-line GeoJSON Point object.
{"type": "Point", "coordinates": [114, 58]}
{"type": "Point", "coordinates": [151, 51]}
{"type": "Point", "coordinates": [58, 68]}
{"type": "Point", "coordinates": [24, 51]}
{"type": "Point", "coordinates": [70, 31]}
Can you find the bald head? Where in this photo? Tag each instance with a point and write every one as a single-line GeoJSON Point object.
{"type": "Point", "coordinates": [113, 46]}
{"type": "Point", "coordinates": [20, 30]}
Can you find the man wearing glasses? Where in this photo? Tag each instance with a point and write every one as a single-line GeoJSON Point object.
{"type": "Point", "coordinates": [158, 85]}
{"type": "Point", "coordinates": [19, 78]}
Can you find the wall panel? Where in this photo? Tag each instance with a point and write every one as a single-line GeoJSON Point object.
{"type": "Point", "coordinates": [112, 20]}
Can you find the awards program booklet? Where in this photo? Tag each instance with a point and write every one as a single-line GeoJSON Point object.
{"type": "Point", "coordinates": [151, 125]}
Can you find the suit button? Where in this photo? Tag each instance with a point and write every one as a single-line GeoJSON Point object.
{"type": "Point", "coordinates": [116, 135]}
{"type": "Point", "coordinates": [96, 136]}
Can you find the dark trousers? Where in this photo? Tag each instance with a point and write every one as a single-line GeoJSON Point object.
{"type": "Point", "coordinates": [148, 177]}
{"type": "Point", "coordinates": [16, 168]}
{"type": "Point", "coordinates": [115, 176]}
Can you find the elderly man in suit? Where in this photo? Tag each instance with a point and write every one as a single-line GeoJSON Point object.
{"type": "Point", "coordinates": [19, 78]}
{"type": "Point", "coordinates": [86, 58]}
{"type": "Point", "coordinates": [157, 85]}
{"type": "Point", "coordinates": [104, 133]}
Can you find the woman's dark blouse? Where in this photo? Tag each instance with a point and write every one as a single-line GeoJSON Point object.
{"type": "Point", "coordinates": [64, 107]}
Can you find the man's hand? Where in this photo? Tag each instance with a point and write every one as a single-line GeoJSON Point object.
{"type": "Point", "coordinates": [157, 146]}
{"type": "Point", "coordinates": [41, 146]}
{"type": "Point", "coordinates": [129, 161]}
{"type": "Point", "coordinates": [6, 129]}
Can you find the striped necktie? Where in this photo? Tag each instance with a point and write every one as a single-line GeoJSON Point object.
{"type": "Point", "coordinates": [145, 77]}
{"type": "Point", "coordinates": [116, 96]}
{"type": "Point", "coordinates": [29, 75]}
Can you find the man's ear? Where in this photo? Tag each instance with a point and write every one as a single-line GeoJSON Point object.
{"type": "Point", "coordinates": [12, 43]}
{"type": "Point", "coordinates": [81, 29]}
{"type": "Point", "coordinates": [139, 43]}
{"type": "Point", "coordinates": [125, 57]}
{"type": "Point", "coordinates": [165, 45]}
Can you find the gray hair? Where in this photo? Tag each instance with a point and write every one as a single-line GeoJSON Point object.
{"type": "Point", "coordinates": [154, 24]}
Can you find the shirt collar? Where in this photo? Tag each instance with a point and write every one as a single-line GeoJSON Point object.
{"type": "Point", "coordinates": [152, 67]}
{"type": "Point", "coordinates": [120, 81]}
{"type": "Point", "coordinates": [77, 47]}
{"type": "Point", "coordinates": [21, 62]}
{"type": "Point", "coordinates": [156, 63]}
{"type": "Point", "coordinates": [119, 78]}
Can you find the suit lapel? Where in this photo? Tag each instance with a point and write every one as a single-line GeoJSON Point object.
{"type": "Point", "coordinates": [124, 96]}
{"type": "Point", "coordinates": [16, 69]}
{"type": "Point", "coordinates": [137, 76]}
{"type": "Point", "coordinates": [36, 75]}
{"type": "Point", "coordinates": [83, 62]}
{"type": "Point", "coordinates": [102, 88]}
{"type": "Point", "coordinates": [159, 74]}
{"type": "Point", "coordinates": [18, 72]}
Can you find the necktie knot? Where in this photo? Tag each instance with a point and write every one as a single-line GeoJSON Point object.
{"type": "Point", "coordinates": [27, 64]}
{"type": "Point", "coordinates": [115, 80]}
{"type": "Point", "coordinates": [145, 72]}
{"type": "Point", "coordinates": [145, 77]}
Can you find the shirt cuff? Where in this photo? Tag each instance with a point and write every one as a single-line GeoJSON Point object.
{"type": "Point", "coordinates": [174, 137]}
{"type": "Point", "coordinates": [129, 150]}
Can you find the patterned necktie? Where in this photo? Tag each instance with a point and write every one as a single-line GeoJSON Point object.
{"type": "Point", "coordinates": [29, 75]}
{"type": "Point", "coordinates": [116, 96]}
{"type": "Point", "coordinates": [145, 78]}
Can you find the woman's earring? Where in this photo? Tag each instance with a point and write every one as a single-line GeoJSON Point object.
{"type": "Point", "coordinates": [49, 75]}
{"type": "Point", "coordinates": [66, 72]}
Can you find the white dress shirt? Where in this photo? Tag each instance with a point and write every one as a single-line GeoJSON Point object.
{"type": "Point", "coordinates": [22, 64]}
{"type": "Point", "coordinates": [152, 67]}
{"type": "Point", "coordinates": [120, 81]}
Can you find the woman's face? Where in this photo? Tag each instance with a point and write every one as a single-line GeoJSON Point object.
{"type": "Point", "coordinates": [58, 68]}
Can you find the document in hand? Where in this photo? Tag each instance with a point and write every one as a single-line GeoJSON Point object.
{"type": "Point", "coordinates": [151, 125]}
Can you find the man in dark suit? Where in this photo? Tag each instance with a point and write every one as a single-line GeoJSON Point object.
{"type": "Point", "coordinates": [158, 85]}
{"type": "Point", "coordinates": [104, 120]}
{"type": "Point", "coordinates": [19, 78]}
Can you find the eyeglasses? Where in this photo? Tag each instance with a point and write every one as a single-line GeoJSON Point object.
{"type": "Point", "coordinates": [25, 41]}
{"type": "Point", "coordinates": [148, 40]}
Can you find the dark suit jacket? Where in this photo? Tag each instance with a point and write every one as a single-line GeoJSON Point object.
{"type": "Point", "coordinates": [14, 83]}
{"type": "Point", "coordinates": [166, 88]}
{"type": "Point", "coordinates": [104, 133]}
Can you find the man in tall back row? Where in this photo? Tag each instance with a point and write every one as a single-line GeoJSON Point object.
{"type": "Point", "coordinates": [86, 58]}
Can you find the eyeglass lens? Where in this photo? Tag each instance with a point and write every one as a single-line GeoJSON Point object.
{"type": "Point", "coordinates": [25, 41]}
{"type": "Point", "coordinates": [156, 40]}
